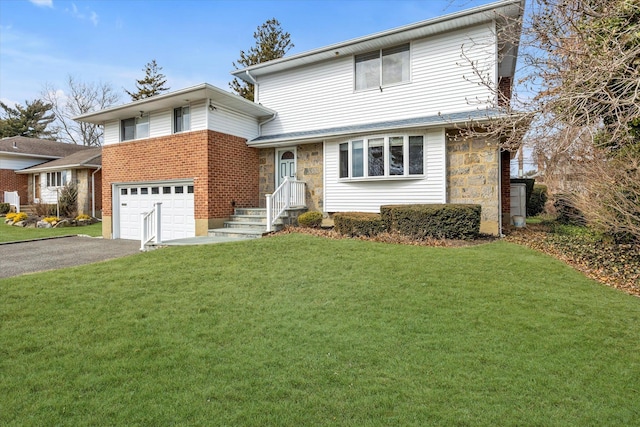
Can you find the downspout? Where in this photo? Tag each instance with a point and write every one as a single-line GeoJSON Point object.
{"type": "Point", "coordinates": [256, 92]}
{"type": "Point", "coordinates": [270, 119]}
{"type": "Point", "coordinates": [93, 192]}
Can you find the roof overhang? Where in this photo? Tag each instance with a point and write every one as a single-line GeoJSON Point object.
{"type": "Point", "coordinates": [498, 11]}
{"type": "Point", "coordinates": [217, 96]}
{"type": "Point", "coordinates": [45, 168]}
{"type": "Point", "coordinates": [35, 156]}
{"type": "Point", "coordinates": [462, 119]}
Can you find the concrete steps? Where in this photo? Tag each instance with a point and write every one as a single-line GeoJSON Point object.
{"type": "Point", "coordinates": [251, 223]}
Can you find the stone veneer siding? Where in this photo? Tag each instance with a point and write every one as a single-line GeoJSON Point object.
{"type": "Point", "coordinates": [83, 180]}
{"type": "Point", "coordinates": [309, 168]}
{"type": "Point", "coordinates": [223, 167]}
{"type": "Point", "coordinates": [473, 171]}
{"type": "Point", "coordinates": [11, 181]}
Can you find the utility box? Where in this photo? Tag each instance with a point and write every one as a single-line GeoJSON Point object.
{"type": "Point", "coordinates": [518, 201]}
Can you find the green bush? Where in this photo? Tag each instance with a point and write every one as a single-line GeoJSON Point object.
{"type": "Point", "coordinates": [448, 221]}
{"type": "Point", "coordinates": [535, 205]}
{"type": "Point", "coordinates": [358, 224]}
{"type": "Point", "coordinates": [4, 208]}
{"type": "Point", "coordinates": [311, 219]}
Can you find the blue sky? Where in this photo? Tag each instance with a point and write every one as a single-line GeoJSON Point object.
{"type": "Point", "coordinates": [195, 41]}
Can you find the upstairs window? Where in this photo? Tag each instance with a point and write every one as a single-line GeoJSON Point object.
{"type": "Point", "coordinates": [181, 119]}
{"type": "Point", "coordinates": [134, 128]}
{"type": "Point", "coordinates": [393, 156]}
{"type": "Point", "coordinates": [382, 67]}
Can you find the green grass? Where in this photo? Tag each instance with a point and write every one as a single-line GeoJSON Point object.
{"type": "Point", "coordinates": [300, 331]}
{"type": "Point", "coordinates": [9, 233]}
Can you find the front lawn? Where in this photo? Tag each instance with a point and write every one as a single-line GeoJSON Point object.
{"type": "Point", "coordinates": [299, 330]}
{"type": "Point", "coordinates": [9, 233]}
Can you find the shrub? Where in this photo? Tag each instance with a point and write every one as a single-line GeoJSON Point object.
{"type": "Point", "coordinates": [44, 209]}
{"type": "Point", "coordinates": [535, 205]}
{"type": "Point", "coordinates": [17, 217]}
{"type": "Point", "coordinates": [358, 223]}
{"type": "Point", "coordinates": [51, 219]}
{"type": "Point", "coordinates": [83, 217]}
{"type": "Point", "coordinates": [448, 221]}
{"type": "Point", "coordinates": [310, 219]}
{"type": "Point", "coordinates": [4, 208]}
{"type": "Point", "coordinates": [566, 211]}
{"type": "Point", "coordinates": [68, 201]}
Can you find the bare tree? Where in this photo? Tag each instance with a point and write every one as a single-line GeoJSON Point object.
{"type": "Point", "coordinates": [578, 99]}
{"type": "Point", "coordinates": [76, 99]}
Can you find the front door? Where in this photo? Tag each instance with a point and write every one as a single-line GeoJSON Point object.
{"type": "Point", "coordinates": [286, 164]}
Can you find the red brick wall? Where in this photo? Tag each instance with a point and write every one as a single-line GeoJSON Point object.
{"type": "Point", "coordinates": [223, 168]}
{"type": "Point", "coordinates": [504, 88]}
{"type": "Point", "coordinates": [10, 181]}
{"type": "Point", "coordinates": [505, 165]}
{"type": "Point", "coordinates": [234, 174]}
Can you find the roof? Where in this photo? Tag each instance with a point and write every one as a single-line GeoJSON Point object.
{"type": "Point", "coordinates": [21, 146]}
{"type": "Point", "coordinates": [511, 9]}
{"type": "Point", "coordinates": [85, 159]}
{"type": "Point", "coordinates": [176, 99]}
{"type": "Point", "coordinates": [454, 119]}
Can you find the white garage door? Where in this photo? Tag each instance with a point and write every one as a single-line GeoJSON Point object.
{"type": "Point", "coordinates": [177, 209]}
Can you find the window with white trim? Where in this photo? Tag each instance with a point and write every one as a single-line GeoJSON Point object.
{"type": "Point", "coordinates": [383, 67]}
{"type": "Point", "coordinates": [134, 128]}
{"type": "Point", "coordinates": [56, 179]}
{"type": "Point", "coordinates": [181, 119]}
{"type": "Point", "coordinates": [386, 157]}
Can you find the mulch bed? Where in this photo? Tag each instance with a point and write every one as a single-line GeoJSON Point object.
{"type": "Point", "coordinates": [612, 264]}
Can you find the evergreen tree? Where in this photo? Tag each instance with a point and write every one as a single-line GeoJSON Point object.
{"type": "Point", "coordinates": [30, 120]}
{"type": "Point", "coordinates": [271, 43]}
{"type": "Point", "coordinates": [152, 84]}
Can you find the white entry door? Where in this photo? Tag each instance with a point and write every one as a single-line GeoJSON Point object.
{"type": "Point", "coordinates": [177, 209]}
{"type": "Point", "coordinates": [286, 164]}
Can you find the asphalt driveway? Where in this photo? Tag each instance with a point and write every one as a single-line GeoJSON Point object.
{"type": "Point", "coordinates": [51, 254]}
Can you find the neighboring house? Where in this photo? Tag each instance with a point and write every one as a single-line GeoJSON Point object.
{"type": "Point", "coordinates": [362, 123]}
{"type": "Point", "coordinates": [82, 169]}
{"type": "Point", "coordinates": [18, 152]}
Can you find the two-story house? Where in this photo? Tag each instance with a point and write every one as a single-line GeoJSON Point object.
{"type": "Point", "coordinates": [355, 125]}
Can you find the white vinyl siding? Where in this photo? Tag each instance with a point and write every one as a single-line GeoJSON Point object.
{"type": "Point", "coordinates": [232, 123]}
{"type": "Point", "coordinates": [220, 120]}
{"type": "Point", "coordinates": [20, 163]}
{"type": "Point", "coordinates": [198, 113]}
{"type": "Point", "coordinates": [368, 195]}
{"type": "Point", "coordinates": [323, 96]}
{"type": "Point", "coordinates": [112, 132]}
{"type": "Point", "coordinates": [49, 192]}
{"type": "Point", "coordinates": [160, 123]}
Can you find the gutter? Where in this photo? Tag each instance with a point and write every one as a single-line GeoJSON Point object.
{"type": "Point", "coordinates": [260, 124]}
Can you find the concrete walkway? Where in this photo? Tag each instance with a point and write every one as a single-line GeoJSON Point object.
{"type": "Point", "coordinates": [32, 256]}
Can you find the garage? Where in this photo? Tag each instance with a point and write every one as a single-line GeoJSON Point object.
{"type": "Point", "coordinates": [131, 200]}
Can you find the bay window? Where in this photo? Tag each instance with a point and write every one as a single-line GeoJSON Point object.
{"type": "Point", "coordinates": [392, 156]}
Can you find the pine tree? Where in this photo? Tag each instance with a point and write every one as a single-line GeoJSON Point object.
{"type": "Point", "coordinates": [31, 120]}
{"type": "Point", "coordinates": [152, 84]}
{"type": "Point", "coordinates": [271, 43]}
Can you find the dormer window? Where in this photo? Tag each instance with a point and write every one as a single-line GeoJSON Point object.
{"type": "Point", "coordinates": [181, 119]}
{"type": "Point", "coordinates": [134, 128]}
{"type": "Point", "coordinates": [382, 67]}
